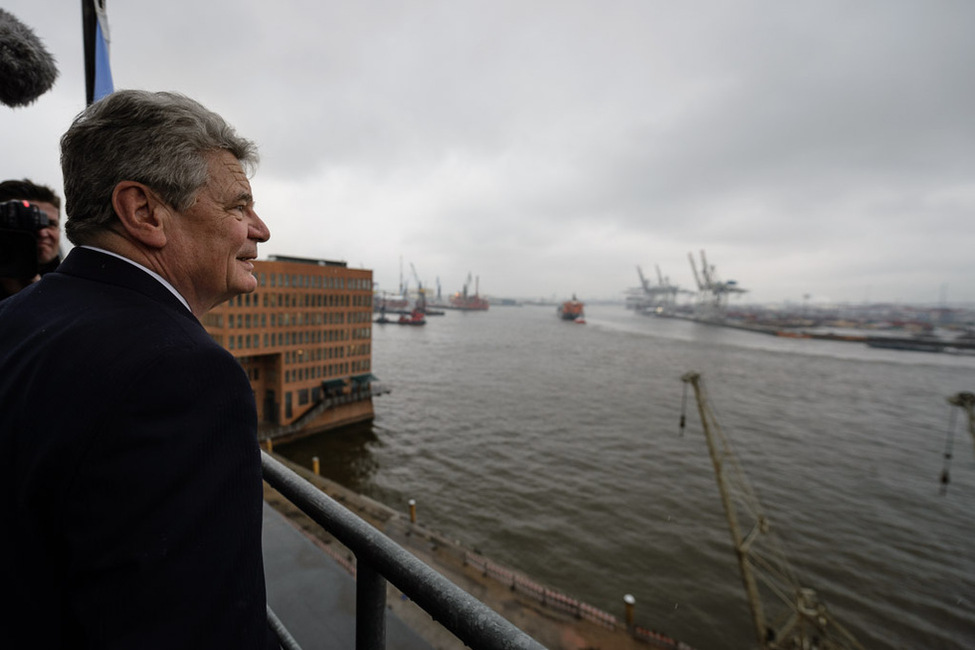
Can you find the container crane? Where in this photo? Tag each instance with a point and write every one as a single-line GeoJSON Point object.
{"type": "Point", "coordinates": [713, 296]}
{"type": "Point", "coordinates": [785, 614]}
{"type": "Point", "coordinates": [653, 297]}
{"type": "Point", "coordinates": [639, 298]}
{"type": "Point", "coordinates": [644, 283]}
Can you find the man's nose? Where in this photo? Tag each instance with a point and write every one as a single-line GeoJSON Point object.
{"type": "Point", "coordinates": [258, 229]}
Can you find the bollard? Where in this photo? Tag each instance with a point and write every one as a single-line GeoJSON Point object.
{"type": "Point", "coordinates": [315, 467]}
{"type": "Point", "coordinates": [412, 511]}
{"type": "Point", "coordinates": [629, 601]}
{"type": "Point", "coordinates": [270, 445]}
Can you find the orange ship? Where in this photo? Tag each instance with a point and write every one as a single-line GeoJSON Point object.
{"type": "Point", "coordinates": [572, 310]}
{"type": "Point", "coordinates": [468, 301]}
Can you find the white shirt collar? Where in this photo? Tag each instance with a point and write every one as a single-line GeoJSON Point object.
{"type": "Point", "coordinates": [158, 277]}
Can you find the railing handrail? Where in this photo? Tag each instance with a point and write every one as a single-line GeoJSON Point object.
{"type": "Point", "coordinates": [379, 559]}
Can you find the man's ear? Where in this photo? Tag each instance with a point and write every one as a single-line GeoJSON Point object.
{"type": "Point", "coordinates": [141, 213]}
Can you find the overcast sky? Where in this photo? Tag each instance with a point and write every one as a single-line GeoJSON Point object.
{"type": "Point", "coordinates": [550, 147]}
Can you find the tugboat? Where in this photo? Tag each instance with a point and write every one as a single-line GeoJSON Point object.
{"type": "Point", "coordinates": [418, 315]}
{"type": "Point", "coordinates": [415, 317]}
{"type": "Point", "coordinates": [572, 310]}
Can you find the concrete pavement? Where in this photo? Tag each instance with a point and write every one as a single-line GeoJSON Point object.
{"type": "Point", "coordinates": [313, 595]}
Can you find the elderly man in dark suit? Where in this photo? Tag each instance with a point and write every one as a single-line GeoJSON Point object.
{"type": "Point", "coordinates": [129, 460]}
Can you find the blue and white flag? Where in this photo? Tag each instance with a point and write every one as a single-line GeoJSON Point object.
{"type": "Point", "coordinates": [98, 71]}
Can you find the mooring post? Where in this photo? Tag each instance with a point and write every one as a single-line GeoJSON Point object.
{"type": "Point", "coordinates": [630, 603]}
{"type": "Point", "coordinates": [315, 467]}
{"type": "Point", "coordinates": [412, 511]}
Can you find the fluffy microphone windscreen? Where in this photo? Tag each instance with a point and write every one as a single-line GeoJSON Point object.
{"type": "Point", "coordinates": [27, 69]}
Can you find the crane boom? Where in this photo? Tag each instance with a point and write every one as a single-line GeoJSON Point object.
{"type": "Point", "coordinates": [799, 620]}
{"type": "Point", "coordinates": [710, 279]}
{"type": "Point", "coordinates": [421, 294]}
{"type": "Point", "coordinates": [697, 279]}
{"type": "Point", "coordinates": [416, 276]}
{"type": "Point", "coordinates": [643, 280]}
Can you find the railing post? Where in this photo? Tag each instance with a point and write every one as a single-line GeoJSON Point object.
{"type": "Point", "coordinates": [370, 604]}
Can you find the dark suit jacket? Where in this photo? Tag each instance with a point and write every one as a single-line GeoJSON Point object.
{"type": "Point", "coordinates": [131, 501]}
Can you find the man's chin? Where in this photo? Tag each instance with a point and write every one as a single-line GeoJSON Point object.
{"type": "Point", "coordinates": [246, 285]}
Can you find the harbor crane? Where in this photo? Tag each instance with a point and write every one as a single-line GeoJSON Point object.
{"type": "Point", "coordinates": [638, 298]}
{"type": "Point", "coordinates": [644, 283]}
{"type": "Point", "coordinates": [966, 402]}
{"type": "Point", "coordinates": [652, 298]}
{"type": "Point", "coordinates": [713, 293]}
{"type": "Point", "coordinates": [421, 293]}
{"type": "Point", "coordinates": [785, 614]}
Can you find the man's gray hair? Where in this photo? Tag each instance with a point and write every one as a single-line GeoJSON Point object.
{"type": "Point", "coordinates": [161, 139]}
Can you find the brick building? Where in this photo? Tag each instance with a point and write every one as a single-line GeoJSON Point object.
{"type": "Point", "coordinates": [304, 336]}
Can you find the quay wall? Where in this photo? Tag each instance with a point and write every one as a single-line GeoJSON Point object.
{"type": "Point", "coordinates": [556, 620]}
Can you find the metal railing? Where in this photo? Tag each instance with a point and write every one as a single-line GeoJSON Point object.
{"type": "Point", "coordinates": [378, 560]}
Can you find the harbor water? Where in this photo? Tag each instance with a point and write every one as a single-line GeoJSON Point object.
{"type": "Point", "coordinates": [554, 448]}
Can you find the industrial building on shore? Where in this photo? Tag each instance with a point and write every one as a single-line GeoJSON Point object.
{"type": "Point", "coordinates": [304, 337]}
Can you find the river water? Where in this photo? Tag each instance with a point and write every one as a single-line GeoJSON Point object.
{"type": "Point", "coordinates": [554, 448]}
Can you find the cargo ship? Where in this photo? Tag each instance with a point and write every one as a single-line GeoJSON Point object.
{"type": "Point", "coordinates": [466, 301]}
{"type": "Point", "coordinates": [573, 310]}
{"type": "Point", "coordinates": [471, 303]}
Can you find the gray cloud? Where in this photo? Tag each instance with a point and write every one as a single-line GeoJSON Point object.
{"type": "Point", "coordinates": [551, 147]}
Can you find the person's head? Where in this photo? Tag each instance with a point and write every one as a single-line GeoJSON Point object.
{"type": "Point", "coordinates": [161, 179]}
{"type": "Point", "coordinates": [43, 197]}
